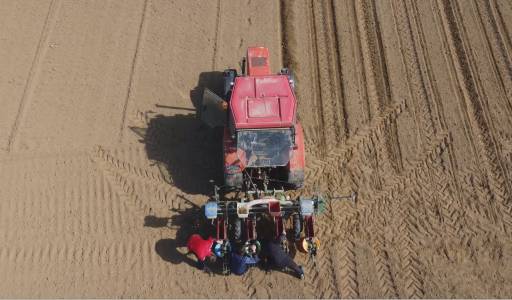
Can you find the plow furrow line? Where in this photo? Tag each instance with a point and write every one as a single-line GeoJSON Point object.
{"type": "Point", "coordinates": [160, 197]}
{"type": "Point", "coordinates": [133, 70]}
{"type": "Point", "coordinates": [346, 272]}
{"type": "Point", "coordinates": [120, 165]}
{"type": "Point", "coordinates": [411, 275]}
{"type": "Point", "coordinates": [329, 74]}
{"type": "Point", "coordinates": [451, 209]}
{"type": "Point", "coordinates": [82, 205]}
{"type": "Point", "coordinates": [26, 263]}
{"type": "Point", "coordinates": [471, 89]}
{"type": "Point", "coordinates": [382, 200]}
{"type": "Point", "coordinates": [502, 29]}
{"type": "Point", "coordinates": [336, 158]}
{"type": "Point", "coordinates": [425, 61]}
{"type": "Point", "coordinates": [416, 81]}
{"type": "Point", "coordinates": [315, 76]}
{"type": "Point", "coordinates": [386, 279]}
{"type": "Point", "coordinates": [377, 81]}
{"type": "Point", "coordinates": [481, 201]}
{"type": "Point", "coordinates": [35, 69]}
{"type": "Point", "coordinates": [323, 273]}
{"type": "Point", "coordinates": [357, 56]}
{"type": "Point", "coordinates": [424, 192]}
{"type": "Point", "coordinates": [499, 61]}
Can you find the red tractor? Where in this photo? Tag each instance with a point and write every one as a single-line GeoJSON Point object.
{"type": "Point", "coordinates": [263, 140]}
{"type": "Point", "coordinates": [263, 146]}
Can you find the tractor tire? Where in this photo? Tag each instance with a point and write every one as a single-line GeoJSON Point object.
{"type": "Point", "coordinates": [229, 81]}
{"type": "Point", "coordinates": [291, 78]}
{"type": "Point", "coordinates": [296, 179]}
{"type": "Point", "coordinates": [237, 229]}
{"type": "Point", "coordinates": [297, 227]}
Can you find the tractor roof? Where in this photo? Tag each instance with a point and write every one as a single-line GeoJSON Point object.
{"type": "Point", "coordinates": [262, 102]}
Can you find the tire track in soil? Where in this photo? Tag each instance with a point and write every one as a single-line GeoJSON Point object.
{"type": "Point", "coordinates": [415, 79]}
{"type": "Point", "coordinates": [135, 61]}
{"type": "Point", "coordinates": [430, 86]}
{"type": "Point", "coordinates": [255, 285]}
{"type": "Point", "coordinates": [502, 28]}
{"type": "Point", "coordinates": [70, 198]}
{"type": "Point", "coordinates": [451, 68]}
{"type": "Point", "coordinates": [341, 253]}
{"type": "Point", "coordinates": [411, 276]}
{"type": "Point", "coordinates": [467, 79]}
{"type": "Point", "coordinates": [331, 163]}
{"type": "Point", "coordinates": [33, 75]}
{"type": "Point", "coordinates": [451, 208]}
{"type": "Point", "coordinates": [53, 258]}
{"type": "Point", "coordinates": [499, 60]}
{"type": "Point", "coordinates": [358, 58]}
{"type": "Point", "coordinates": [314, 138]}
{"type": "Point", "coordinates": [321, 281]}
{"type": "Point", "coordinates": [402, 201]}
{"type": "Point", "coordinates": [217, 34]}
{"type": "Point", "coordinates": [129, 167]}
{"type": "Point", "coordinates": [481, 207]}
{"type": "Point", "coordinates": [128, 184]}
{"type": "Point", "coordinates": [329, 74]}
{"type": "Point", "coordinates": [343, 223]}
{"type": "Point", "coordinates": [347, 270]}
{"type": "Point", "coordinates": [384, 274]}
{"type": "Point", "coordinates": [425, 62]}
{"type": "Point", "coordinates": [377, 81]}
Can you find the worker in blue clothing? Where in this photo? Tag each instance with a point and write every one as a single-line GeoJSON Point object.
{"type": "Point", "coordinates": [242, 258]}
{"type": "Point", "coordinates": [273, 256]}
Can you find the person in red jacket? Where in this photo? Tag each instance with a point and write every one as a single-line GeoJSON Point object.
{"type": "Point", "coordinates": [202, 249]}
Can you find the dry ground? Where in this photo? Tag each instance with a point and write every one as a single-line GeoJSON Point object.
{"type": "Point", "coordinates": [102, 160]}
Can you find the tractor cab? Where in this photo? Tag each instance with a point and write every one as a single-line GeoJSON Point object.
{"type": "Point", "coordinates": [263, 140]}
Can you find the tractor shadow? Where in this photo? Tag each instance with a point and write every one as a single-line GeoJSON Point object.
{"type": "Point", "coordinates": [187, 152]}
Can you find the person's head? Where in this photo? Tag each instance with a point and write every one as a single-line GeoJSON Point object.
{"type": "Point", "coordinates": [251, 248]}
{"type": "Point", "coordinates": [218, 248]}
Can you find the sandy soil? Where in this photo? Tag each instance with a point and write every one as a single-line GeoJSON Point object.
{"type": "Point", "coordinates": [102, 160]}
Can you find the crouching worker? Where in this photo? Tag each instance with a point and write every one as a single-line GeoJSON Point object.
{"type": "Point", "coordinates": [242, 258]}
{"type": "Point", "coordinates": [273, 256]}
{"type": "Point", "coordinates": [202, 249]}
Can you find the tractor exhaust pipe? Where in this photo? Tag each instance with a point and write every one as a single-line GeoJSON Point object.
{"type": "Point", "coordinates": [242, 65]}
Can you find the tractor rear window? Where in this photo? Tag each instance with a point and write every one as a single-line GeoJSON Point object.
{"type": "Point", "coordinates": [265, 147]}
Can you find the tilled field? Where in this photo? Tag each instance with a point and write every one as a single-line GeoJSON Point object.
{"type": "Point", "coordinates": [103, 161]}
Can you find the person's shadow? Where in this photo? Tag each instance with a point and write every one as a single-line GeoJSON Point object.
{"type": "Point", "coordinates": [187, 222]}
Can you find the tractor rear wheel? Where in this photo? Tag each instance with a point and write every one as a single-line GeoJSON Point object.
{"type": "Point", "coordinates": [297, 227]}
{"type": "Point", "coordinates": [237, 229]}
